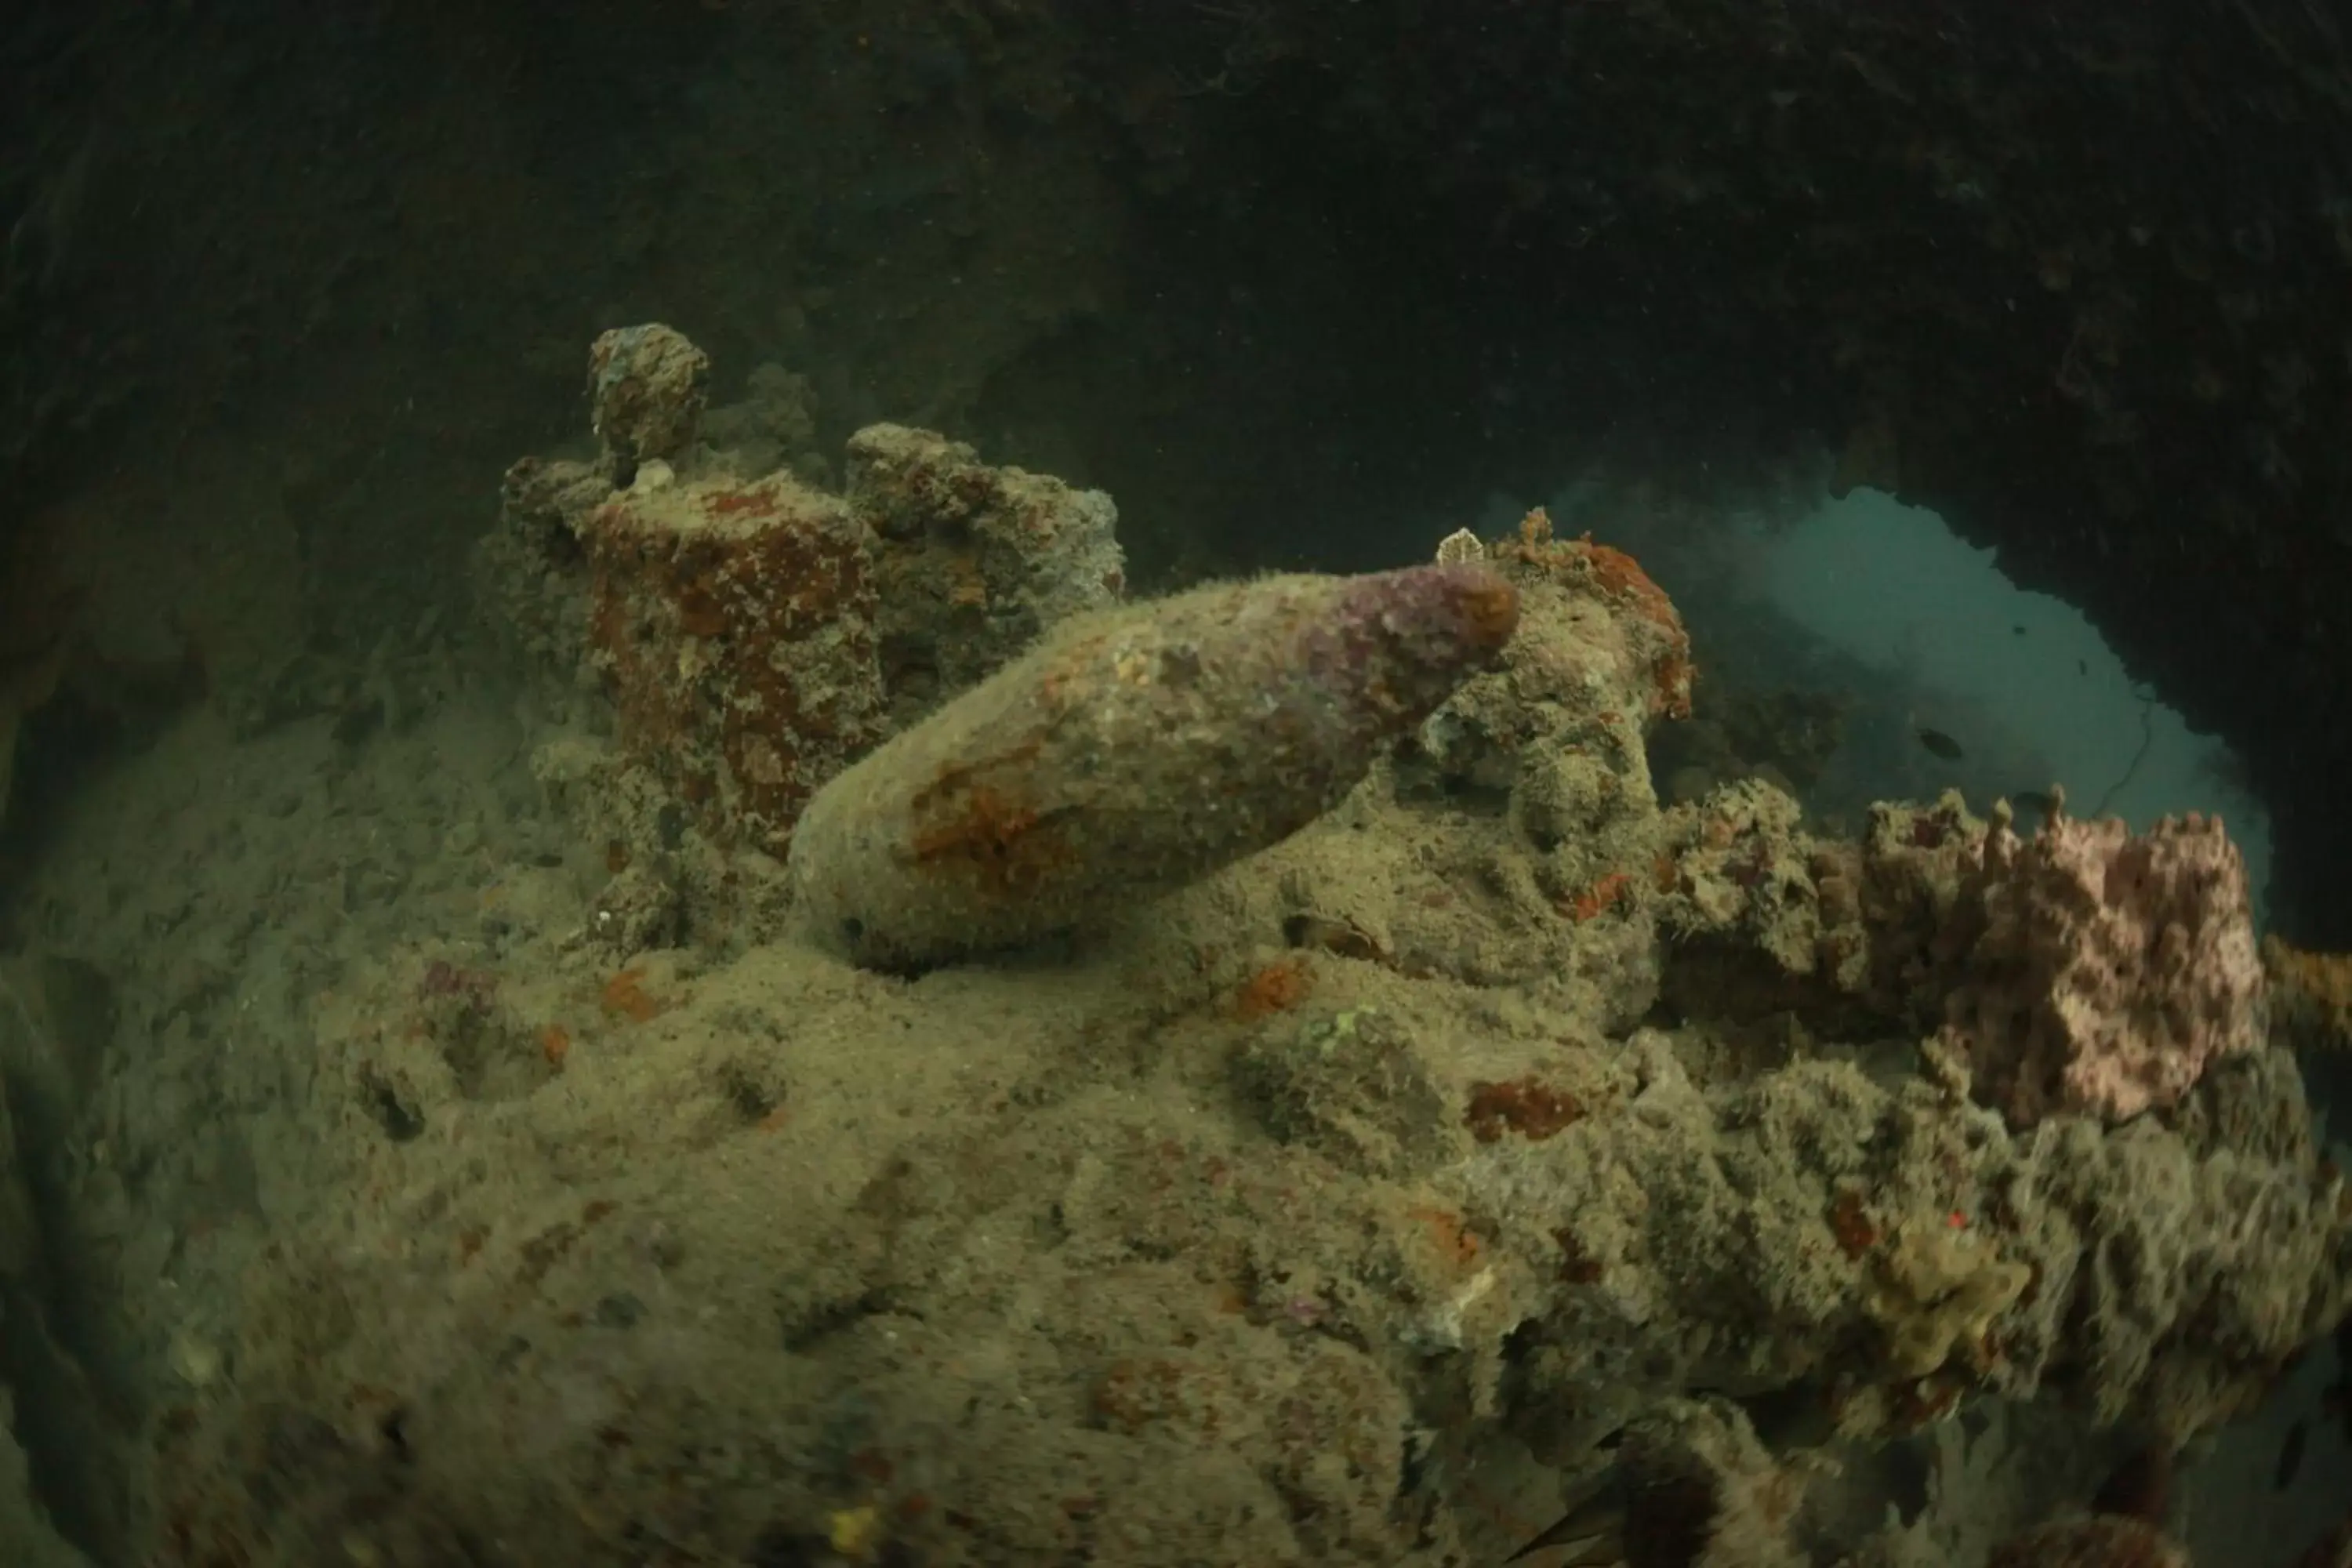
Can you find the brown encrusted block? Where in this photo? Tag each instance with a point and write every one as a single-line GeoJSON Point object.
{"type": "Point", "coordinates": [736, 623]}
{"type": "Point", "coordinates": [973, 562]}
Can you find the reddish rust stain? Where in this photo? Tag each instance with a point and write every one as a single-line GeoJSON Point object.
{"type": "Point", "coordinates": [1492, 610]}
{"type": "Point", "coordinates": [1134, 1394]}
{"type": "Point", "coordinates": [1604, 895]}
{"type": "Point", "coordinates": [1577, 1267]}
{"type": "Point", "coordinates": [700, 613]}
{"type": "Point", "coordinates": [1620, 576]}
{"type": "Point", "coordinates": [1528, 1106]}
{"type": "Point", "coordinates": [1851, 1223]}
{"type": "Point", "coordinates": [1923, 1401]}
{"type": "Point", "coordinates": [994, 834]}
{"type": "Point", "coordinates": [784, 691]}
{"type": "Point", "coordinates": [1455, 1242]}
{"type": "Point", "coordinates": [1623, 576]}
{"type": "Point", "coordinates": [1277, 988]}
{"type": "Point", "coordinates": [758, 503]}
{"type": "Point", "coordinates": [625, 996]}
{"type": "Point", "coordinates": [959, 777]}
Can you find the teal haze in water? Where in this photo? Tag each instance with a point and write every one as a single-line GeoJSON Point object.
{"type": "Point", "coordinates": [1893, 586]}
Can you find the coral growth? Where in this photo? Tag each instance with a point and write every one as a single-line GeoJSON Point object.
{"type": "Point", "coordinates": [1617, 576]}
{"type": "Point", "coordinates": [647, 391]}
{"type": "Point", "coordinates": [2103, 971]}
{"type": "Point", "coordinates": [1939, 1287]}
{"type": "Point", "coordinates": [973, 563]}
{"type": "Point", "coordinates": [2085, 970]}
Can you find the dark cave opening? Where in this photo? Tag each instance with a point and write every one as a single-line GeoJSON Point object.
{"type": "Point", "coordinates": [1362, 359]}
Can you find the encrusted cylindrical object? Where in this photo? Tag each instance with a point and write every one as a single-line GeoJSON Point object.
{"type": "Point", "coordinates": [1133, 752]}
{"type": "Point", "coordinates": [734, 624]}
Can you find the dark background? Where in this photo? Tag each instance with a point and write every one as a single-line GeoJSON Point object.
{"type": "Point", "coordinates": [286, 288]}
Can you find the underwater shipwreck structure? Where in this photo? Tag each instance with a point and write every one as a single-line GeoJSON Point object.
{"type": "Point", "coordinates": [928, 1059]}
{"type": "Point", "coordinates": [1253, 1078]}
